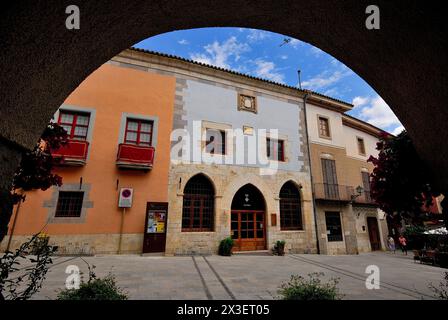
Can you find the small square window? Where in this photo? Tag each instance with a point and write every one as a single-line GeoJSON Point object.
{"type": "Point", "coordinates": [334, 227]}
{"type": "Point", "coordinates": [324, 127]}
{"type": "Point", "coordinates": [69, 204]}
{"type": "Point", "coordinates": [215, 141]}
{"type": "Point", "coordinates": [275, 149]}
{"type": "Point", "coordinates": [247, 103]}
{"type": "Point", "coordinates": [361, 146]}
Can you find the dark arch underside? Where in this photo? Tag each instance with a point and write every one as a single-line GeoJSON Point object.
{"type": "Point", "coordinates": [42, 62]}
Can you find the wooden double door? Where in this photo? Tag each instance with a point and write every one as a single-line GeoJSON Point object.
{"type": "Point", "coordinates": [248, 230]}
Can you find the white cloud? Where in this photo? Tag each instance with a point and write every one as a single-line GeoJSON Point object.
{"type": "Point", "coordinates": [376, 112]}
{"type": "Point", "coordinates": [284, 57]}
{"type": "Point", "coordinates": [183, 41]}
{"type": "Point", "coordinates": [257, 35]}
{"type": "Point", "coordinates": [316, 52]}
{"type": "Point", "coordinates": [334, 62]}
{"type": "Point", "coordinates": [360, 101]}
{"type": "Point", "coordinates": [267, 70]}
{"type": "Point", "coordinates": [219, 54]}
{"type": "Point", "coordinates": [325, 79]}
{"type": "Point", "coordinates": [333, 92]}
{"type": "Point", "coordinates": [295, 43]}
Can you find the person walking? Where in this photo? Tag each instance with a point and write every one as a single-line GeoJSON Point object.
{"type": "Point", "coordinates": [403, 244]}
{"type": "Point", "coordinates": [391, 243]}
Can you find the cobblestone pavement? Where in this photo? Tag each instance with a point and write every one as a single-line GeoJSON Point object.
{"type": "Point", "coordinates": [246, 276]}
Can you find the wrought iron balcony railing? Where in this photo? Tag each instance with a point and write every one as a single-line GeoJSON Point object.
{"type": "Point", "coordinates": [337, 192]}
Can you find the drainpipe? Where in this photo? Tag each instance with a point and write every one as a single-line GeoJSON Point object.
{"type": "Point", "coordinates": [305, 98]}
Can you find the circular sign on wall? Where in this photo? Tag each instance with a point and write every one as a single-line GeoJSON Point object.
{"type": "Point", "coordinates": [125, 199]}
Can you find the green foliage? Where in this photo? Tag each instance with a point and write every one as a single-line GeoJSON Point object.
{"type": "Point", "coordinates": [279, 248]}
{"type": "Point", "coordinates": [40, 244]}
{"type": "Point", "coordinates": [311, 288]}
{"type": "Point", "coordinates": [400, 182]}
{"type": "Point", "coordinates": [95, 289]}
{"type": "Point", "coordinates": [20, 283]}
{"type": "Point", "coordinates": [441, 292]}
{"type": "Point", "coordinates": [413, 230]}
{"type": "Point", "coordinates": [416, 239]}
{"type": "Point", "coordinates": [225, 246]}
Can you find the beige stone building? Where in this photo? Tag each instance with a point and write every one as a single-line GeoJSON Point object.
{"type": "Point", "coordinates": [348, 221]}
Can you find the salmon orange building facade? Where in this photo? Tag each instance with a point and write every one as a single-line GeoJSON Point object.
{"type": "Point", "coordinates": [99, 116]}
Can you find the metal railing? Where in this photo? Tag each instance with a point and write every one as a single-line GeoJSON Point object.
{"type": "Point", "coordinates": [365, 197]}
{"type": "Point", "coordinates": [337, 192]}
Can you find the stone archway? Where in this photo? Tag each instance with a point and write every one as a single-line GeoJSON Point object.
{"type": "Point", "coordinates": [248, 226]}
{"type": "Point", "coordinates": [42, 62]}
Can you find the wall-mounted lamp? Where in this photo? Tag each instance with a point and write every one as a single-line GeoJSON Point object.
{"type": "Point", "coordinates": [359, 191]}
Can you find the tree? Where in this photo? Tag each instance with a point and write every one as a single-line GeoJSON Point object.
{"type": "Point", "coordinates": [401, 182]}
{"type": "Point", "coordinates": [34, 172]}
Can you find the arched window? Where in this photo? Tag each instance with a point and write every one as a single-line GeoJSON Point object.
{"type": "Point", "coordinates": [198, 205]}
{"type": "Point", "coordinates": [290, 207]}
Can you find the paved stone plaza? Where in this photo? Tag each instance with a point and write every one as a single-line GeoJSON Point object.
{"type": "Point", "coordinates": [247, 276]}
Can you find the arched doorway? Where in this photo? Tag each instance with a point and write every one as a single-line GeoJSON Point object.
{"type": "Point", "coordinates": [248, 219]}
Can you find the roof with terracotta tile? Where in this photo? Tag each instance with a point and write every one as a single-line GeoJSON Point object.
{"type": "Point", "coordinates": [239, 74]}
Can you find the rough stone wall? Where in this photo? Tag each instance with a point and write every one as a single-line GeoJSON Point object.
{"type": "Point", "coordinates": [349, 223]}
{"type": "Point", "coordinates": [332, 247]}
{"type": "Point", "coordinates": [86, 244]}
{"type": "Point", "coordinates": [355, 239]}
{"type": "Point", "coordinates": [227, 180]}
{"type": "Point", "coordinates": [363, 235]}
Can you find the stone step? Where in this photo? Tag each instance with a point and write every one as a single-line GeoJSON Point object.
{"type": "Point", "coordinates": [254, 253]}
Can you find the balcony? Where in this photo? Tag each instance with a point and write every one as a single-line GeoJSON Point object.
{"type": "Point", "coordinates": [72, 154]}
{"type": "Point", "coordinates": [135, 157]}
{"type": "Point", "coordinates": [337, 192]}
{"type": "Point", "coordinates": [333, 192]}
{"type": "Point", "coordinates": [364, 198]}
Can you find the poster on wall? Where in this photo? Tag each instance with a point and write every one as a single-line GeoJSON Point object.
{"type": "Point", "coordinates": [156, 221]}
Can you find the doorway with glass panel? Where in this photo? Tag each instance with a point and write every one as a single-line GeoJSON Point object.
{"type": "Point", "coordinates": [248, 224]}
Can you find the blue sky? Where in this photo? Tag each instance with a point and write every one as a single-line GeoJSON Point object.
{"type": "Point", "coordinates": [261, 53]}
